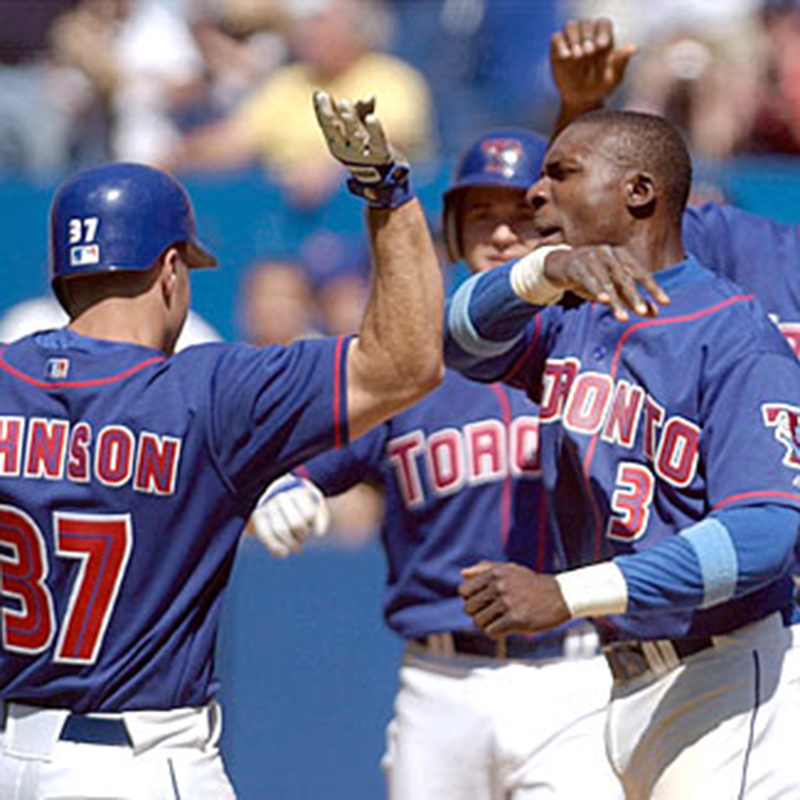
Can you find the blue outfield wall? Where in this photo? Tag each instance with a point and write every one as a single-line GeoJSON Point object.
{"type": "Point", "coordinates": [307, 668]}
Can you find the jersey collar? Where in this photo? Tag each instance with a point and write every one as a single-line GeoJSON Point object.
{"type": "Point", "coordinates": [683, 273]}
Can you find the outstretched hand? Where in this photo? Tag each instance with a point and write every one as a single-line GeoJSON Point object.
{"type": "Point", "coordinates": [356, 139]}
{"type": "Point", "coordinates": [587, 66]}
{"type": "Point", "coordinates": [506, 598]}
{"type": "Point", "coordinates": [607, 275]}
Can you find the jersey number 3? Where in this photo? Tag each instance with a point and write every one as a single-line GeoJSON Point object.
{"type": "Point", "coordinates": [101, 543]}
{"type": "Point", "coordinates": [631, 502]}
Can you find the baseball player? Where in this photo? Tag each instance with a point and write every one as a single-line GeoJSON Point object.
{"type": "Point", "coordinates": [126, 473]}
{"type": "Point", "coordinates": [473, 719]}
{"type": "Point", "coordinates": [669, 419]}
{"type": "Point", "coordinates": [759, 254]}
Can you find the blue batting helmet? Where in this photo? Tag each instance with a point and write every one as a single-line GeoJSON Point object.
{"type": "Point", "coordinates": [120, 218]}
{"type": "Point", "coordinates": [510, 157]}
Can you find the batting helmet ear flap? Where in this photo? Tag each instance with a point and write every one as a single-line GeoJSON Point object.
{"type": "Point", "coordinates": [451, 230]}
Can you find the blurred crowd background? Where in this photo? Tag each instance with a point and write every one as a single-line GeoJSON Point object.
{"type": "Point", "coordinates": [218, 91]}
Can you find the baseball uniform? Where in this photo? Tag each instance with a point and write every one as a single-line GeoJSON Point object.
{"type": "Point", "coordinates": [669, 444]}
{"type": "Point", "coordinates": [126, 479]}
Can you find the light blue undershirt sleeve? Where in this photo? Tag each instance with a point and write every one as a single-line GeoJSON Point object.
{"type": "Point", "coordinates": [727, 555]}
{"type": "Point", "coordinates": [485, 325]}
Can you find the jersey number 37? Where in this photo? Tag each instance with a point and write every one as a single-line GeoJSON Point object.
{"type": "Point", "coordinates": [100, 543]}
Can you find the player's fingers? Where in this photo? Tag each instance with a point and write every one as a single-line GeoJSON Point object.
{"type": "Point", "coordinates": [608, 295]}
{"type": "Point", "coordinates": [378, 145]}
{"type": "Point", "coordinates": [491, 618]}
{"type": "Point", "coordinates": [603, 34]}
{"type": "Point", "coordinates": [618, 62]}
{"type": "Point", "coordinates": [572, 36]}
{"type": "Point", "coordinates": [476, 569]}
{"type": "Point", "coordinates": [353, 129]}
{"type": "Point", "coordinates": [476, 601]}
{"type": "Point", "coordinates": [281, 526]}
{"type": "Point", "coordinates": [322, 519]}
{"type": "Point", "coordinates": [559, 49]}
{"type": "Point", "coordinates": [327, 117]}
{"type": "Point", "coordinates": [628, 291]}
{"type": "Point", "coordinates": [586, 33]}
{"type": "Point", "coordinates": [643, 277]}
{"type": "Point", "coordinates": [475, 584]}
{"type": "Point", "coordinates": [267, 527]}
{"type": "Point", "coordinates": [299, 509]}
{"type": "Point", "coordinates": [365, 106]}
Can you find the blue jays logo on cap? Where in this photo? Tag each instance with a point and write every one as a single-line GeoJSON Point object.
{"type": "Point", "coordinates": [785, 420]}
{"type": "Point", "coordinates": [502, 155]}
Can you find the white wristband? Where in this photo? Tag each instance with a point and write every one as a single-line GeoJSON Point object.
{"type": "Point", "coordinates": [528, 280]}
{"type": "Point", "coordinates": [594, 591]}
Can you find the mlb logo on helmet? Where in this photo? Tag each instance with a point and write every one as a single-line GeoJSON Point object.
{"type": "Point", "coordinates": [83, 254]}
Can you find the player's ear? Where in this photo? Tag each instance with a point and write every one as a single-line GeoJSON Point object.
{"type": "Point", "coordinates": [640, 194]}
{"type": "Point", "coordinates": [169, 273]}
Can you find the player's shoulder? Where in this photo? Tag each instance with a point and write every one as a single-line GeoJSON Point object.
{"type": "Point", "coordinates": [734, 320]}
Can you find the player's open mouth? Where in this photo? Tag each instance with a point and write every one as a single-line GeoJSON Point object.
{"type": "Point", "coordinates": [549, 234]}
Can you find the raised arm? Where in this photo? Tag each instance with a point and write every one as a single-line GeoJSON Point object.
{"type": "Point", "coordinates": [397, 357]}
{"type": "Point", "coordinates": [587, 67]}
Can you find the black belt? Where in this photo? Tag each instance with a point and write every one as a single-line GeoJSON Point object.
{"type": "Point", "coordinates": [630, 659]}
{"type": "Point", "coordinates": [475, 643]}
{"type": "Point", "coordinates": [95, 730]}
{"type": "Point", "coordinates": [88, 730]}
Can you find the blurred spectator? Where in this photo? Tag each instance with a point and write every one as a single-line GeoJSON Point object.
{"type": "Point", "coordinates": [337, 266]}
{"type": "Point", "coordinates": [40, 101]}
{"type": "Point", "coordinates": [776, 124]}
{"type": "Point", "coordinates": [242, 42]}
{"type": "Point", "coordinates": [142, 58]}
{"type": "Point", "coordinates": [337, 46]}
{"type": "Point", "coordinates": [487, 62]}
{"type": "Point", "coordinates": [276, 303]}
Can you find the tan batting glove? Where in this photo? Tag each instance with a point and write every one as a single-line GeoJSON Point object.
{"type": "Point", "coordinates": [356, 139]}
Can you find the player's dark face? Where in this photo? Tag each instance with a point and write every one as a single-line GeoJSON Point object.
{"type": "Point", "coordinates": [580, 196]}
{"type": "Point", "coordinates": [496, 226]}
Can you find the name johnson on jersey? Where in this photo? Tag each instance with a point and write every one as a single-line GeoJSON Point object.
{"type": "Point", "coordinates": [57, 449]}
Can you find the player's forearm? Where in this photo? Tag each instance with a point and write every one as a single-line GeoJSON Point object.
{"type": "Point", "coordinates": [485, 325]}
{"type": "Point", "coordinates": [723, 557]}
{"type": "Point", "coordinates": [568, 112]}
{"type": "Point", "coordinates": [398, 355]}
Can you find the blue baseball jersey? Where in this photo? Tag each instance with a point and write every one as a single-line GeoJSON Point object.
{"type": "Point", "coordinates": [461, 482]}
{"type": "Point", "coordinates": [126, 479]}
{"type": "Point", "coordinates": [648, 427]}
{"type": "Point", "coordinates": [760, 254]}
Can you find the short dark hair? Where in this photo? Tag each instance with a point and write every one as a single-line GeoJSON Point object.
{"type": "Point", "coordinates": [651, 144]}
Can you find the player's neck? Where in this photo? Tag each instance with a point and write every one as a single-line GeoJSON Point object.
{"type": "Point", "coordinates": [118, 320]}
{"type": "Point", "coordinates": [658, 247]}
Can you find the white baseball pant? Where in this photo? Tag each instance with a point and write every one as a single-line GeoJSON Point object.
{"type": "Point", "coordinates": [472, 728]}
{"type": "Point", "coordinates": [723, 724]}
